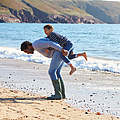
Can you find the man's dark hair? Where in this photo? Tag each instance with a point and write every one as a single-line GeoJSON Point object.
{"type": "Point", "coordinates": [48, 26]}
{"type": "Point", "coordinates": [25, 45]}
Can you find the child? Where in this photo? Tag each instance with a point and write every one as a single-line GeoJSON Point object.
{"type": "Point", "coordinates": [65, 43]}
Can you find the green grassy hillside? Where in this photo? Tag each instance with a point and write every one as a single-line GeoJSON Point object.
{"type": "Point", "coordinates": [57, 7]}
{"type": "Point", "coordinates": [108, 12]}
{"type": "Point", "coordinates": [48, 6]}
{"type": "Point", "coordinates": [14, 4]}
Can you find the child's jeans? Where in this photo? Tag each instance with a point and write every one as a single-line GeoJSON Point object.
{"type": "Point", "coordinates": [68, 47]}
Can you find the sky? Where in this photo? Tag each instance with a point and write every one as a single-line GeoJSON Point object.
{"type": "Point", "coordinates": [105, 0]}
{"type": "Point", "coordinates": [111, 0]}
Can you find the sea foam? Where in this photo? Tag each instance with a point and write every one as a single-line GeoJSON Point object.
{"type": "Point", "coordinates": [94, 64]}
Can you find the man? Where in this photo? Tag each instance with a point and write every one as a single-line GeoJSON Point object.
{"type": "Point", "coordinates": [50, 50]}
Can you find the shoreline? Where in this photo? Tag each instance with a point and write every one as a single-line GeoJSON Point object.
{"type": "Point", "coordinates": [19, 105]}
{"type": "Point", "coordinates": [93, 63]}
{"type": "Point", "coordinates": [19, 78]}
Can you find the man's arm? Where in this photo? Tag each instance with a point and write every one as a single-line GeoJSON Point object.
{"type": "Point", "coordinates": [54, 45]}
{"type": "Point", "coordinates": [57, 47]}
{"type": "Point", "coordinates": [46, 43]}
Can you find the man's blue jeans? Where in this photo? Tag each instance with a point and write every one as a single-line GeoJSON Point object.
{"type": "Point", "coordinates": [55, 66]}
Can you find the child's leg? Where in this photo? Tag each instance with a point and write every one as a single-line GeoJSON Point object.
{"type": "Point", "coordinates": [72, 56]}
{"type": "Point", "coordinates": [69, 46]}
{"type": "Point", "coordinates": [82, 54]}
{"type": "Point", "coordinates": [66, 60]}
{"type": "Point", "coordinates": [70, 49]}
{"type": "Point", "coordinates": [73, 69]}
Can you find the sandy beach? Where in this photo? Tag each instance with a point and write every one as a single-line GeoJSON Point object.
{"type": "Point", "coordinates": [91, 95]}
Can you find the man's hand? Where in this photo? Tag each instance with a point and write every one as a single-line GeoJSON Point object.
{"type": "Point", "coordinates": [47, 51]}
{"type": "Point", "coordinates": [64, 52]}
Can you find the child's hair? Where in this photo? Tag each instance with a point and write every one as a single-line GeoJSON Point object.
{"type": "Point", "coordinates": [49, 27]}
{"type": "Point", "coordinates": [25, 45]}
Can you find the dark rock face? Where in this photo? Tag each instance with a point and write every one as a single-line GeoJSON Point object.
{"type": "Point", "coordinates": [2, 21]}
{"type": "Point", "coordinates": [25, 16]}
{"type": "Point", "coordinates": [9, 19]}
{"type": "Point", "coordinates": [41, 17]}
{"type": "Point", "coordinates": [70, 19]}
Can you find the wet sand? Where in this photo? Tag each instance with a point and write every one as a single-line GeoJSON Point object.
{"type": "Point", "coordinates": [88, 93]}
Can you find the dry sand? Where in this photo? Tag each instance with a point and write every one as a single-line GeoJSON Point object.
{"type": "Point", "coordinates": [22, 104]}
{"type": "Point", "coordinates": [17, 105]}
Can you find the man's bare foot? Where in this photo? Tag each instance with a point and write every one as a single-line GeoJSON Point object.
{"type": "Point", "coordinates": [85, 56]}
{"type": "Point", "coordinates": [72, 70]}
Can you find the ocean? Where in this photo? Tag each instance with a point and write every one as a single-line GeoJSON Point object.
{"type": "Point", "coordinates": [101, 42]}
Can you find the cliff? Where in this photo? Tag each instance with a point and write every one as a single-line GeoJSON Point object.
{"type": "Point", "coordinates": [59, 11]}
